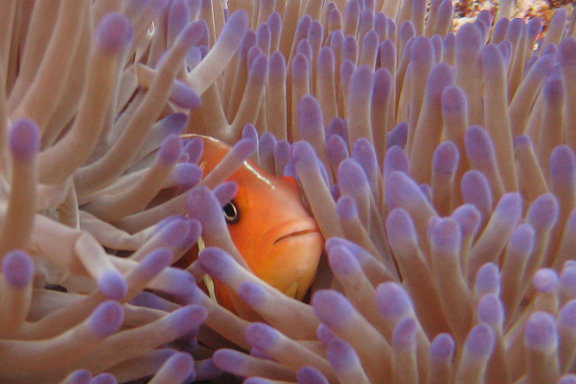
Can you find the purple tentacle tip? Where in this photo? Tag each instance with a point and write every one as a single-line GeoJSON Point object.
{"type": "Point", "coordinates": [244, 148]}
{"type": "Point", "coordinates": [259, 67]}
{"type": "Point", "coordinates": [300, 67]}
{"type": "Point", "coordinates": [509, 208]}
{"type": "Point", "coordinates": [541, 332]}
{"type": "Point", "coordinates": [398, 136]}
{"type": "Point", "coordinates": [544, 212]}
{"type": "Point", "coordinates": [187, 318]}
{"type": "Point", "coordinates": [454, 101]}
{"type": "Point", "coordinates": [476, 190]}
{"type": "Point", "coordinates": [446, 158]}
{"type": "Point", "coordinates": [567, 316]}
{"type": "Point", "coordinates": [554, 89]}
{"type": "Point", "coordinates": [159, 5]}
{"type": "Point", "coordinates": [568, 281]}
{"type": "Point", "coordinates": [338, 126]}
{"type": "Point", "coordinates": [226, 359]}
{"type": "Point", "coordinates": [81, 376]}
{"type": "Point", "coordinates": [104, 378]}
{"type": "Point", "coordinates": [156, 260]}
{"type": "Point", "coordinates": [405, 333]}
{"type": "Point", "coordinates": [400, 227]}
{"type": "Point", "coordinates": [250, 132]}
{"type": "Point", "coordinates": [396, 160]}
{"type": "Point", "coordinates": [479, 145]}
{"type": "Point", "coordinates": [362, 81]}
{"type": "Point", "coordinates": [488, 279]}
{"type": "Point", "coordinates": [324, 334]}
{"type": "Point", "coordinates": [24, 139]}
{"type": "Point", "coordinates": [268, 143]}
{"type": "Point", "coordinates": [226, 191]}
{"type": "Point", "coordinates": [442, 347]}
{"type": "Point", "coordinates": [337, 149]}
{"type": "Point", "coordinates": [192, 33]}
{"type": "Point", "coordinates": [217, 263]}
{"type": "Point", "coordinates": [491, 310]}
{"type": "Point", "coordinates": [393, 300]}
{"type": "Point", "coordinates": [173, 233]}
{"type": "Point", "coordinates": [569, 378]}
{"type": "Point", "coordinates": [184, 96]}
{"type": "Point", "coordinates": [252, 293]}
{"type": "Point", "coordinates": [261, 335]}
{"type": "Point", "coordinates": [567, 52]}
{"type": "Point", "coordinates": [187, 174]}
{"type": "Point", "coordinates": [107, 319]}
{"type": "Point", "coordinates": [546, 280]}
{"type": "Point", "coordinates": [341, 355]}
{"type": "Point", "coordinates": [310, 116]}
{"type": "Point", "coordinates": [18, 269]}
{"type": "Point", "coordinates": [258, 380]}
{"type": "Point", "coordinates": [277, 65]}
{"type": "Point", "coordinates": [194, 232]}
{"type": "Point", "coordinates": [421, 50]}
{"type": "Point", "coordinates": [170, 150]}
{"type": "Point", "coordinates": [402, 190]}
{"type": "Point", "coordinates": [178, 16]}
{"type": "Point", "coordinates": [302, 152]}
{"type": "Point", "coordinates": [481, 340]}
{"type": "Point", "coordinates": [407, 31]}
{"type": "Point", "coordinates": [332, 308]}
{"type": "Point", "coordinates": [236, 25]}
{"type": "Point", "coordinates": [365, 154]}
{"type": "Point", "coordinates": [180, 365]}
{"type": "Point", "coordinates": [113, 285]}
{"type": "Point", "coordinates": [563, 163]}
{"type": "Point", "coordinates": [168, 224]}
{"type": "Point", "coordinates": [114, 33]}
{"type": "Point", "coordinates": [310, 375]}
{"type": "Point", "coordinates": [175, 122]}
{"type": "Point", "coordinates": [194, 148]}
{"type": "Point", "coordinates": [351, 176]}
{"type": "Point", "coordinates": [440, 77]}
{"type": "Point", "coordinates": [445, 236]}
{"type": "Point", "coordinates": [347, 208]}
{"type": "Point", "coordinates": [492, 60]}
{"type": "Point", "coordinates": [342, 261]}
{"type": "Point", "coordinates": [522, 239]}
{"type": "Point", "coordinates": [468, 217]}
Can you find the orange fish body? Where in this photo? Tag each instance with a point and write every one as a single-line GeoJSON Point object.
{"type": "Point", "coordinates": [272, 229]}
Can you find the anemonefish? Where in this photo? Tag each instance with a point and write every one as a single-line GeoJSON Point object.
{"type": "Point", "coordinates": [269, 224]}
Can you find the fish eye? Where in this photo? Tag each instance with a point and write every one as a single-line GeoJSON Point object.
{"type": "Point", "coordinates": [231, 213]}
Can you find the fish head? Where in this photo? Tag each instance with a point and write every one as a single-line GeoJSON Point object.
{"type": "Point", "coordinates": [274, 232]}
{"type": "Point", "coordinates": [270, 225]}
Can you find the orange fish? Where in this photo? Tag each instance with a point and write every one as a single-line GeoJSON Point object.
{"type": "Point", "coordinates": [269, 224]}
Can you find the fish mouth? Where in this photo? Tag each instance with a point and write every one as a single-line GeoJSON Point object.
{"type": "Point", "coordinates": [295, 234]}
{"type": "Point", "coordinates": [289, 256]}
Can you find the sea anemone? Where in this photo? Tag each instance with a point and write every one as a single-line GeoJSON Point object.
{"type": "Point", "coordinates": [438, 165]}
